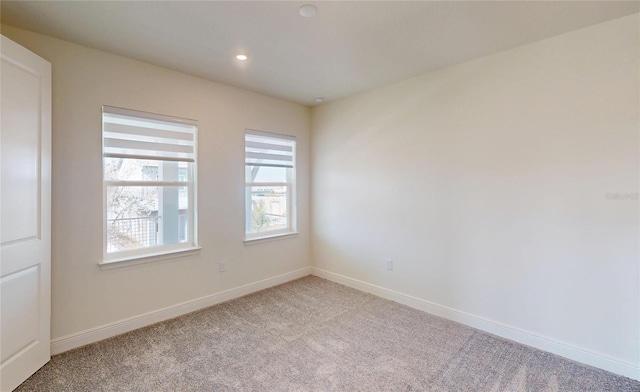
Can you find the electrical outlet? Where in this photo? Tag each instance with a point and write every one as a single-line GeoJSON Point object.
{"type": "Point", "coordinates": [388, 265]}
{"type": "Point", "coordinates": [222, 266]}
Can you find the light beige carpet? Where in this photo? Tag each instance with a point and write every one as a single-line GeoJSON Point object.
{"type": "Point", "coordinates": [315, 335]}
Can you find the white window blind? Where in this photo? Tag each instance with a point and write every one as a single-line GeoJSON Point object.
{"type": "Point", "coordinates": [131, 134]}
{"type": "Point", "coordinates": [264, 149]}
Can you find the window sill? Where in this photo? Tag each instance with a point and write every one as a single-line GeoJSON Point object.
{"type": "Point", "coordinates": [147, 258]}
{"type": "Point", "coordinates": [269, 238]}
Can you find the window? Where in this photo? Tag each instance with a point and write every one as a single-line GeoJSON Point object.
{"type": "Point", "coordinates": [149, 163]}
{"type": "Point", "coordinates": [270, 162]}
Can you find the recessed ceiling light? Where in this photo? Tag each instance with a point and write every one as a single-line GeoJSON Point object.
{"type": "Point", "coordinates": [241, 57]}
{"type": "Point", "coordinates": [308, 11]}
{"type": "Point", "coordinates": [318, 99]}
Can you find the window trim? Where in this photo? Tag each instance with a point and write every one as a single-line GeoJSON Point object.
{"type": "Point", "coordinates": [290, 184]}
{"type": "Point", "coordinates": [275, 237]}
{"type": "Point", "coordinates": [160, 252]}
{"type": "Point", "coordinates": [132, 260]}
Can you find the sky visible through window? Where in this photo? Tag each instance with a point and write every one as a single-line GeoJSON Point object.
{"type": "Point", "coordinates": [269, 174]}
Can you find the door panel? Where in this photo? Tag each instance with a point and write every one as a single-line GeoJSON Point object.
{"type": "Point", "coordinates": [22, 153]}
{"type": "Point", "coordinates": [22, 313]}
{"type": "Point", "coordinates": [25, 211]}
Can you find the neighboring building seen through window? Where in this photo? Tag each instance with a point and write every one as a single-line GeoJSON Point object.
{"type": "Point", "coordinates": [149, 165]}
{"type": "Point", "coordinates": [270, 162]}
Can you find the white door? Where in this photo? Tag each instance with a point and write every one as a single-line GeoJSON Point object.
{"type": "Point", "coordinates": [25, 213]}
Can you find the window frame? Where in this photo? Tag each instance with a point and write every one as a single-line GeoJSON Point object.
{"type": "Point", "coordinates": [154, 252]}
{"type": "Point", "coordinates": [289, 184]}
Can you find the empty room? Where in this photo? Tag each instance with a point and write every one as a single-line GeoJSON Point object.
{"type": "Point", "coordinates": [320, 196]}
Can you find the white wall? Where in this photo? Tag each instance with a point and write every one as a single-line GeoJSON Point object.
{"type": "Point", "coordinates": [487, 184]}
{"type": "Point", "coordinates": [85, 297]}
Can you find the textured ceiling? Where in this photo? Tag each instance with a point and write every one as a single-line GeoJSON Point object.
{"type": "Point", "coordinates": [347, 48]}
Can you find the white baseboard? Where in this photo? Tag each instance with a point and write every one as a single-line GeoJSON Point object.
{"type": "Point", "coordinates": [496, 328]}
{"type": "Point", "coordinates": [93, 335]}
